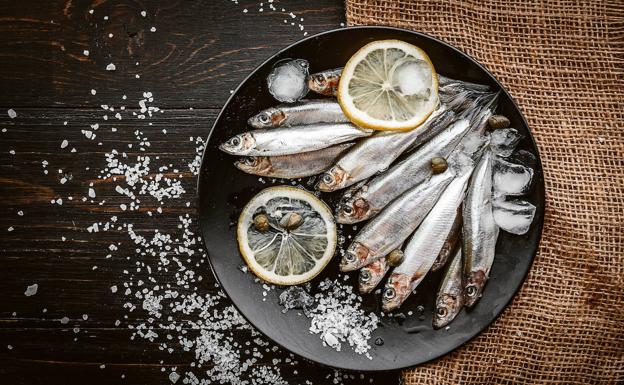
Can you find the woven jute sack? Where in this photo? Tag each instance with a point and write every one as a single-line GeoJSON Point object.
{"type": "Point", "coordinates": [563, 62]}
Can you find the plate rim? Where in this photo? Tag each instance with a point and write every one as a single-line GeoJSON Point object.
{"type": "Point", "coordinates": [540, 225]}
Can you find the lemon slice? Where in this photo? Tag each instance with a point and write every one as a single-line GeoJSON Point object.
{"type": "Point", "coordinates": [388, 85]}
{"type": "Point", "coordinates": [286, 235]}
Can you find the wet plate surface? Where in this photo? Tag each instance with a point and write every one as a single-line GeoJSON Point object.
{"type": "Point", "coordinates": [408, 338]}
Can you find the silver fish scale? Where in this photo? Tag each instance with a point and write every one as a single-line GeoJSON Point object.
{"type": "Point", "coordinates": [388, 230]}
{"type": "Point", "coordinates": [479, 228]}
{"type": "Point", "coordinates": [427, 241]}
{"type": "Point", "coordinates": [376, 153]}
{"type": "Point", "coordinates": [413, 170]}
{"type": "Point", "coordinates": [293, 140]}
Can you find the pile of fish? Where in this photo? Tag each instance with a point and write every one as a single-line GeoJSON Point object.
{"type": "Point", "coordinates": [434, 197]}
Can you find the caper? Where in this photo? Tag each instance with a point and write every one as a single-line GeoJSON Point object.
{"type": "Point", "coordinates": [438, 165]}
{"type": "Point", "coordinates": [395, 258]}
{"type": "Point", "coordinates": [291, 221]}
{"type": "Point", "coordinates": [261, 222]}
{"type": "Point", "coordinates": [498, 121]}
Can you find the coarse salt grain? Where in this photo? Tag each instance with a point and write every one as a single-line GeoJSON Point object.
{"type": "Point", "coordinates": [111, 67]}
{"type": "Point", "coordinates": [12, 113]}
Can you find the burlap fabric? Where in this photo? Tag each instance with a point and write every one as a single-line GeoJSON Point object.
{"type": "Point", "coordinates": [563, 61]}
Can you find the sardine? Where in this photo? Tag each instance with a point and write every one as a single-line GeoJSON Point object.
{"type": "Point", "coordinates": [511, 178]}
{"type": "Point", "coordinates": [292, 140]}
{"type": "Point", "coordinates": [389, 229]}
{"type": "Point", "coordinates": [299, 113]}
{"type": "Point", "coordinates": [426, 243]}
{"type": "Point", "coordinates": [513, 216]}
{"type": "Point", "coordinates": [377, 152]}
{"type": "Point", "coordinates": [449, 300]}
{"type": "Point", "coordinates": [325, 82]}
{"type": "Point", "coordinates": [479, 231]}
{"type": "Point", "coordinates": [383, 188]}
{"type": "Point", "coordinates": [450, 243]}
{"type": "Point", "coordinates": [293, 166]}
{"type": "Point", "coordinates": [371, 274]}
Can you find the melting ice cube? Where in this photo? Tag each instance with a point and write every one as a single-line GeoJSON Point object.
{"type": "Point", "coordinates": [412, 78]}
{"type": "Point", "coordinates": [504, 141]}
{"type": "Point", "coordinates": [513, 216]}
{"type": "Point", "coordinates": [511, 178]}
{"type": "Point", "coordinates": [287, 80]}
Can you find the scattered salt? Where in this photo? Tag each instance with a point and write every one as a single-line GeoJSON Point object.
{"type": "Point", "coordinates": [12, 113]}
{"type": "Point", "coordinates": [31, 290]}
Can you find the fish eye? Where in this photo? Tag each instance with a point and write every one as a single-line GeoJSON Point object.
{"type": "Point", "coordinates": [327, 179]}
{"type": "Point", "coordinates": [304, 64]}
{"type": "Point", "coordinates": [442, 312]}
{"type": "Point", "coordinates": [389, 293]}
{"type": "Point", "coordinates": [250, 160]}
{"type": "Point", "coordinates": [235, 141]}
{"type": "Point", "coordinates": [347, 210]}
{"type": "Point", "coordinates": [264, 118]}
{"type": "Point", "coordinates": [365, 276]}
{"type": "Point", "coordinates": [318, 80]}
{"type": "Point", "coordinates": [471, 290]}
{"type": "Point", "coordinates": [350, 257]}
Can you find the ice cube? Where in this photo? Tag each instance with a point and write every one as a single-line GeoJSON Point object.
{"type": "Point", "coordinates": [287, 80]}
{"type": "Point", "coordinates": [412, 78]}
{"type": "Point", "coordinates": [504, 141]}
{"type": "Point", "coordinates": [295, 297]}
{"type": "Point", "coordinates": [513, 216]}
{"type": "Point", "coordinates": [511, 178]}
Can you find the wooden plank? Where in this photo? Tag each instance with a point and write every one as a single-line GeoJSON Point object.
{"type": "Point", "coordinates": [199, 51]}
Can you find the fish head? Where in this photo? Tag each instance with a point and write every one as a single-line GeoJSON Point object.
{"type": "Point", "coordinates": [353, 210]}
{"type": "Point", "coordinates": [333, 179]}
{"type": "Point", "coordinates": [356, 256]}
{"type": "Point", "coordinates": [318, 83]}
{"type": "Point", "coordinates": [271, 117]}
{"type": "Point", "coordinates": [370, 275]}
{"type": "Point", "coordinates": [397, 289]}
{"type": "Point", "coordinates": [257, 165]}
{"type": "Point", "coordinates": [447, 307]}
{"type": "Point", "coordinates": [473, 288]}
{"type": "Point", "coordinates": [240, 144]}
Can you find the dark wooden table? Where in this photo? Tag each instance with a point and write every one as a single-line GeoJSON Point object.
{"type": "Point", "coordinates": [197, 53]}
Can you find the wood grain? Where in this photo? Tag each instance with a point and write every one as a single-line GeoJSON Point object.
{"type": "Point", "coordinates": [199, 52]}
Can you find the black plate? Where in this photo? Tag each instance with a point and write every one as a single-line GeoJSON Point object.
{"type": "Point", "coordinates": [224, 190]}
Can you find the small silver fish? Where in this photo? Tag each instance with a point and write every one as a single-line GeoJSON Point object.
{"type": "Point", "coordinates": [479, 231]}
{"type": "Point", "coordinates": [299, 113]}
{"type": "Point", "coordinates": [292, 140]}
{"type": "Point", "coordinates": [325, 82]}
{"type": "Point", "coordinates": [426, 243]}
{"type": "Point", "coordinates": [293, 166]}
{"type": "Point", "coordinates": [450, 243]}
{"type": "Point", "coordinates": [380, 190]}
{"type": "Point", "coordinates": [377, 152]}
{"type": "Point", "coordinates": [449, 300]}
{"type": "Point", "coordinates": [384, 188]}
{"type": "Point", "coordinates": [372, 274]}
{"type": "Point", "coordinates": [389, 229]}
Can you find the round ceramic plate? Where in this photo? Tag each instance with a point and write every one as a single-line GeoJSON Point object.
{"type": "Point", "coordinates": [409, 340]}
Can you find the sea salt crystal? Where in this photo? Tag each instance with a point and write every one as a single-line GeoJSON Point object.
{"type": "Point", "coordinates": [153, 29]}
{"type": "Point", "coordinates": [93, 91]}
{"type": "Point", "coordinates": [91, 193]}
{"type": "Point", "coordinates": [31, 290]}
{"type": "Point", "coordinates": [113, 289]}
{"type": "Point", "coordinates": [143, 13]}
{"type": "Point", "coordinates": [111, 67]}
{"type": "Point", "coordinates": [20, 213]}
{"type": "Point", "coordinates": [64, 143]}
{"type": "Point", "coordinates": [85, 52]}
{"type": "Point", "coordinates": [174, 377]}
{"type": "Point", "coordinates": [12, 113]}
